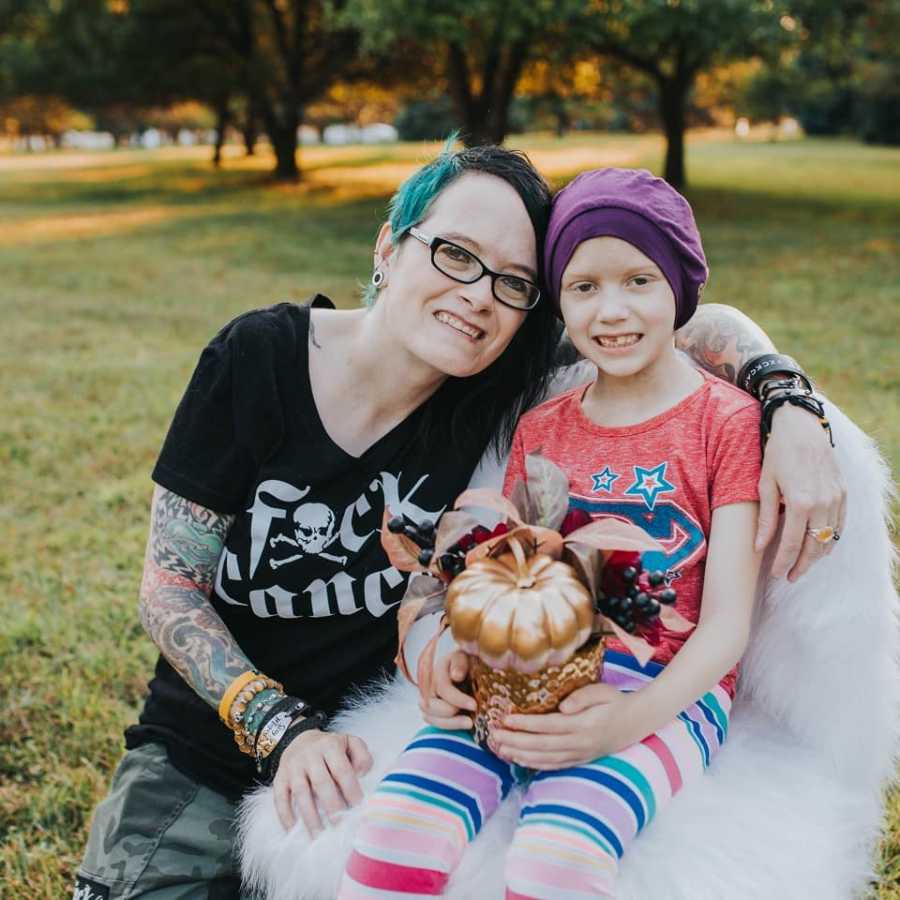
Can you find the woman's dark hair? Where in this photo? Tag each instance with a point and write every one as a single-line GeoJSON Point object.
{"type": "Point", "coordinates": [482, 410]}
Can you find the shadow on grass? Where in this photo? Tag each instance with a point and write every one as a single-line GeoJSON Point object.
{"type": "Point", "coordinates": [176, 184]}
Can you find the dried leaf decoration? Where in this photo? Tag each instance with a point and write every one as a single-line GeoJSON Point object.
{"type": "Point", "coordinates": [548, 491]}
{"type": "Point", "coordinates": [674, 621]}
{"type": "Point", "coordinates": [402, 553]}
{"type": "Point", "coordinates": [451, 527]}
{"type": "Point", "coordinates": [425, 668]}
{"type": "Point", "coordinates": [489, 499]}
{"type": "Point", "coordinates": [538, 540]}
{"type": "Point", "coordinates": [522, 500]}
{"type": "Point", "coordinates": [587, 562]}
{"type": "Point", "coordinates": [609, 533]}
{"type": "Point", "coordinates": [424, 595]}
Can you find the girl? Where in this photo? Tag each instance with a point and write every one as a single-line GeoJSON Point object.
{"type": "Point", "coordinates": [652, 440]}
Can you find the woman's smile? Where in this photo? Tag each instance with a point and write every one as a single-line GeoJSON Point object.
{"type": "Point", "coordinates": [459, 325]}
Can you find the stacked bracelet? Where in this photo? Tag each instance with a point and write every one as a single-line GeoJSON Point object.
{"type": "Point", "coordinates": [759, 368]}
{"type": "Point", "coordinates": [755, 377]}
{"type": "Point", "coordinates": [803, 399]}
{"type": "Point", "coordinates": [273, 726]}
{"type": "Point", "coordinates": [236, 700]}
{"type": "Point", "coordinates": [268, 766]}
{"type": "Point", "coordinates": [259, 708]}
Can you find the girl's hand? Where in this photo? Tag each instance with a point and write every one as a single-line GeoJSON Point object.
{"type": "Point", "coordinates": [593, 721]}
{"type": "Point", "coordinates": [444, 709]}
{"type": "Point", "coordinates": [319, 769]}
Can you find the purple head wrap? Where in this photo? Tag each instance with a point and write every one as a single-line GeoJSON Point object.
{"type": "Point", "coordinates": [634, 205]}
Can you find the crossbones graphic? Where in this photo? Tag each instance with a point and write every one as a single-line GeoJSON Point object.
{"type": "Point", "coordinates": [314, 531]}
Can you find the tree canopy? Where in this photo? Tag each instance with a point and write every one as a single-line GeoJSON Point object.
{"type": "Point", "coordinates": [672, 41]}
{"type": "Point", "coordinates": [478, 48]}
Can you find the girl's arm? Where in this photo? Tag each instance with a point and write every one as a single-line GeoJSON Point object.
{"type": "Point", "coordinates": [598, 719]}
{"type": "Point", "coordinates": [721, 635]}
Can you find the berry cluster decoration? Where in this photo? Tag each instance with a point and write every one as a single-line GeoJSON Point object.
{"type": "Point", "coordinates": [453, 560]}
{"type": "Point", "coordinates": [632, 597]}
{"type": "Point", "coordinates": [421, 533]}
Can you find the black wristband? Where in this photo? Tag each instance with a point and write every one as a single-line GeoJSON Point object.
{"type": "Point", "coordinates": [761, 367]}
{"type": "Point", "coordinates": [269, 766]}
{"type": "Point", "coordinates": [796, 398]}
{"type": "Point", "coordinates": [290, 705]}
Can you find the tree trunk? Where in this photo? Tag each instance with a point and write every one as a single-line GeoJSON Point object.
{"type": "Point", "coordinates": [477, 131]}
{"type": "Point", "coordinates": [485, 117]}
{"type": "Point", "coordinates": [561, 115]}
{"type": "Point", "coordinates": [672, 110]}
{"type": "Point", "coordinates": [504, 88]}
{"type": "Point", "coordinates": [250, 133]}
{"type": "Point", "coordinates": [223, 118]}
{"type": "Point", "coordinates": [283, 138]}
{"type": "Point", "coordinates": [250, 125]}
{"type": "Point", "coordinates": [281, 121]}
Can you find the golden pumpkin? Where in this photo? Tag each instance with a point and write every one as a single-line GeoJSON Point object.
{"type": "Point", "coordinates": [520, 613]}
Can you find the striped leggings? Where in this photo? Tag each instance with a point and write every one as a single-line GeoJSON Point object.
{"type": "Point", "coordinates": [574, 823]}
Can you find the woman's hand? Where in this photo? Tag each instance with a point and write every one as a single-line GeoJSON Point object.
{"type": "Point", "coordinates": [593, 721]}
{"type": "Point", "coordinates": [319, 770]}
{"type": "Point", "coordinates": [800, 469]}
{"type": "Point", "coordinates": [444, 709]}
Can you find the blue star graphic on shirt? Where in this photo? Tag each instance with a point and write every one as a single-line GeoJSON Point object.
{"type": "Point", "coordinates": [650, 483]}
{"type": "Point", "coordinates": [603, 481]}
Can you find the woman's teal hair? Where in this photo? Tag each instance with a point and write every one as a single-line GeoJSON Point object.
{"type": "Point", "coordinates": [411, 201]}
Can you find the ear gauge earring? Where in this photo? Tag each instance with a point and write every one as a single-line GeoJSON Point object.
{"type": "Point", "coordinates": [378, 278]}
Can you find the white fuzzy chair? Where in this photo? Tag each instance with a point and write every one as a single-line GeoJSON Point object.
{"type": "Point", "coordinates": [790, 809]}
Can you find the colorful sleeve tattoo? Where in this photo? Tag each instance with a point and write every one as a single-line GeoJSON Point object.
{"type": "Point", "coordinates": [179, 568]}
{"type": "Point", "coordinates": [721, 339]}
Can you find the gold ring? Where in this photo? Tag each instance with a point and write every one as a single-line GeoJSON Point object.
{"type": "Point", "coordinates": [824, 534]}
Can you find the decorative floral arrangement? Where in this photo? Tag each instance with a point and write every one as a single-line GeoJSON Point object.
{"type": "Point", "coordinates": [531, 600]}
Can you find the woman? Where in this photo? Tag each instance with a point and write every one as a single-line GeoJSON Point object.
{"type": "Point", "coordinates": [264, 585]}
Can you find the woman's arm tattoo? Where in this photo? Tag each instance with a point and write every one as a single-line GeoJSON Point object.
{"type": "Point", "coordinates": [183, 551]}
{"type": "Point", "coordinates": [721, 339]}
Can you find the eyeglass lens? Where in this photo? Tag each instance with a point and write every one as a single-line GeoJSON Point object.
{"type": "Point", "coordinates": [462, 265]}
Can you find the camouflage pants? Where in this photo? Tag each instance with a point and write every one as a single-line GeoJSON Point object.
{"type": "Point", "coordinates": [159, 835]}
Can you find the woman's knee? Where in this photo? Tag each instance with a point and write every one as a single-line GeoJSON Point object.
{"type": "Point", "coordinates": [155, 830]}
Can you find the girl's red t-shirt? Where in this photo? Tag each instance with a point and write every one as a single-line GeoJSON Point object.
{"type": "Point", "coordinates": [666, 475]}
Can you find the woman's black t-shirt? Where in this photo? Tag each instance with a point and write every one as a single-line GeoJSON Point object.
{"type": "Point", "coordinates": [303, 584]}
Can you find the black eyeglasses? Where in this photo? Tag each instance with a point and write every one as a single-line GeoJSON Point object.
{"type": "Point", "coordinates": [464, 266]}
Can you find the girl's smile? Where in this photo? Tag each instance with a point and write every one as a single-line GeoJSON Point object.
{"type": "Point", "coordinates": [617, 343]}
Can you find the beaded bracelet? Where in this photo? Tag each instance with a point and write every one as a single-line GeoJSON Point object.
{"type": "Point", "coordinates": [247, 693]}
{"type": "Point", "coordinates": [258, 708]}
{"type": "Point", "coordinates": [231, 693]}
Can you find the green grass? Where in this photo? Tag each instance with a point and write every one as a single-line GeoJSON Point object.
{"type": "Point", "coordinates": [116, 268]}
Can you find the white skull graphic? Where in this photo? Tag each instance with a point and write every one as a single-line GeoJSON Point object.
{"type": "Point", "coordinates": [313, 527]}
